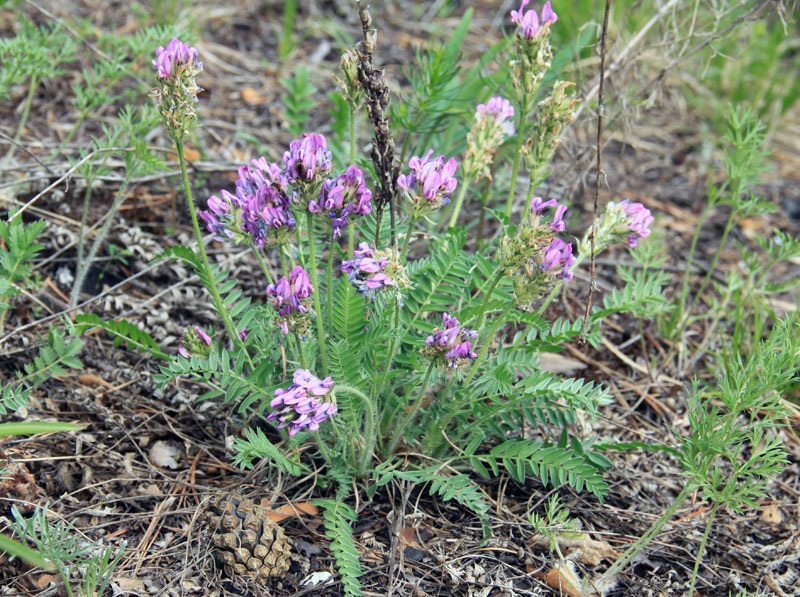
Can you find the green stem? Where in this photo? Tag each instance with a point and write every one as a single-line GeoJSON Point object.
{"type": "Point", "coordinates": [482, 313]}
{"type": "Point", "coordinates": [64, 573]}
{"type": "Point", "coordinates": [435, 429]}
{"type": "Point", "coordinates": [411, 223]}
{"type": "Point", "coordinates": [263, 263]}
{"type": "Point", "coordinates": [284, 267]}
{"type": "Point", "coordinates": [523, 114]}
{"type": "Point", "coordinates": [397, 434]}
{"type": "Point", "coordinates": [23, 119]}
{"type": "Point", "coordinates": [645, 539]}
{"type": "Point", "coordinates": [459, 200]}
{"type": "Point", "coordinates": [370, 415]}
{"type": "Point", "coordinates": [702, 548]}
{"type": "Point", "coordinates": [330, 279]}
{"type": "Point", "coordinates": [323, 352]}
{"type": "Point", "coordinates": [352, 133]}
{"type": "Point", "coordinates": [392, 347]}
{"type": "Point", "coordinates": [299, 347]}
{"type": "Point", "coordinates": [212, 285]}
{"type": "Point", "coordinates": [529, 200]}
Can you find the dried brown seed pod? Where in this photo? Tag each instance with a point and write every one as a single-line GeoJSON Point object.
{"type": "Point", "coordinates": [249, 542]}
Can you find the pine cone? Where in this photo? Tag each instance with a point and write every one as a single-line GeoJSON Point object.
{"type": "Point", "coordinates": [249, 542]}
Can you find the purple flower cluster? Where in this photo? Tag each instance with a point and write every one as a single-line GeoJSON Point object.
{"type": "Point", "coordinates": [529, 21]}
{"type": "Point", "coordinates": [374, 270]}
{"type": "Point", "coordinates": [290, 299]}
{"type": "Point", "coordinates": [558, 255]}
{"type": "Point", "coordinates": [259, 211]}
{"type": "Point", "coordinates": [638, 220]}
{"type": "Point", "coordinates": [177, 68]}
{"type": "Point", "coordinates": [300, 405]}
{"type": "Point", "coordinates": [452, 344]}
{"type": "Point", "coordinates": [195, 341]}
{"type": "Point", "coordinates": [498, 112]}
{"type": "Point", "coordinates": [176, 55]}
{"type": "Point", "coordinates": [430, 183]}
{"type": "Point", "coordinates": [308, 163]}
{"type": "Point", "coordinates": [342, 197]}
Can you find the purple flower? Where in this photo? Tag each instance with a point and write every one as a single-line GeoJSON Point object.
{"type": "Point", "coordinates": [498, 112]}
{"type": "Point", "coordinates": [529, 21]}
{"type": "Point", "coordinates": [557, 224]}
{"type": "Point", "coordinates": [291, 301]}
{"type": "Point", "coordinates": [259, 212]}
{"type": "Point", "coordinates": [639, 219]}
{"type": "Point", "coordinates": [195, 341]}
{"type": "Point", "coordinates": [308, 163]}
{"type": "Point", "coordinates": [173, 57]}
{"type": "Point", "coordinates": [300, 405]}
{"type": "Point", "coordinates": [538, 206]}
{"type": "Point", "coordinates": [342, 197]}
{"type": "Point", "coordinates": [452, 344]}
{"type": "Point", "coordinates": [558, 255]}
{"type": "Point", "coordinates": [374, 270]}
{"type": "Point", "coordinates": [430, 183]}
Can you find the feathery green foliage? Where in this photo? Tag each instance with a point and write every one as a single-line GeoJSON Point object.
{"type": "Point", "coordinates": [298, 101]}
{"type": "Point", "coordinates": [339, 518]}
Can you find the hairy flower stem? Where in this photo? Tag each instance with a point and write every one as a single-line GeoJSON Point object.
{"type": "Point", "coordinates": [702, 547]}
{"type": "Point", "coordinates": [284, 267]}
{"type": "Point", "coordinates": [645, 539]}
{"type": "Point", "coordinates": [323, 351]}
{"type": "Point", "coordinates": [369, 447]}
{"type": "Point", "coordinates": [351, 232]}
{"type": "Point", "coordinates": [411, 222]}
{"type": "Point", "coordinates": [435, 429]}
{"type": "Point", "coordinates": [482, 313]}
{"type": "Point", "coordinates": [212, 285]}
{"type": "Point", "coordinates": [529, 200]}
{"type": "Point", "coordinates": [330, 278]}
{"type": "Point", "coordinates": [263, 263]}
{"type": "Point", "coordinates": [299, 347]}
{"type": "Point", "coordinates": [523, 115]}
{"type": "Point", "coordinates": [459, 200]}
{"type": "Point", "coordinates": [397, 434]}
{"type": "Point", "coordinates": [392, 347]}
{"type": "Point", "coordinates": [26, 110]}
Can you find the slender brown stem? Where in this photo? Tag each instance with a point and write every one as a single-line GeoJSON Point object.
{"type": "Point", "coordinates": [599, 165]}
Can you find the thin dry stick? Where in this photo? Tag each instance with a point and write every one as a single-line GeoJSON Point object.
{"type": "Point", "coordinates": [582, 339]}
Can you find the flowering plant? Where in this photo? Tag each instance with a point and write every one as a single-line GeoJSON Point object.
{"type": "Point", "coordinates": [388, 367]}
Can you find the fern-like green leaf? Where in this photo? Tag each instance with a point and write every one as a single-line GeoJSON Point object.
{"type": "Point", "coordinates": [123, 332]}
{"type": "Point", "coordinates": [257, 445]}
{"type": "Point", "coordinates": [338, 528]}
